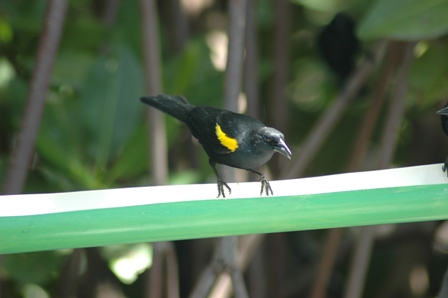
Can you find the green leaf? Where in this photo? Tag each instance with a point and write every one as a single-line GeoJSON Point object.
{"type": "Point", "coordinates": [192, 75]}
{"type": "Point", "coordinates": [45, 266]}
{"type": "Point", "coordinates": [86, 33]}
{"type": "Point", "coordinates": [61, 155]}
{"type": "Point", "coordinates": [186, 65]}
{"type": "Point", "coordinates": [134, 158]}
{"type": "Point", "coordinates": [71, 68]}
{"type": "Point", "coordinates": [110, 104]}
{"type": "Point", "coordinates": [405, 20]}
{"type": "Point", "coordinates": [61, 142]}
{"type": "Point", "coordinates": [429, 76]}
{"type": "Point", "coordinates": [185, 177]}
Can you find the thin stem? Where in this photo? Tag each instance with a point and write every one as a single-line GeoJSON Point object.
{"type": "Point", "coordinates": [444, 288]}
{"type": "Point", "coordinates": [156, 128]}
{"type": "Point", "coordinates": [234, 67]}
{"type": "Point", "coordinates": [175, 23]}
{"type": "Point", "coordinates": [279, 104]}
{"type": "Point", "coordinates": [48, 48]}
{"type": "Point", "coordinates": [204, 283]}
{"type": "Point", "coordinates": [396, 111]}
{"type": "Point", "coordinates": [329, 119]}
{"type": "Point", "coordinates": [371, 115]}
{"type": "Point", "coordinates": [251, 62]}
{"type": "Point", "coordinates": [360, 262]}
{"type": "Point", "coordinates": [326, 264]}
{"type": "Point", "coordinates": [370, 119]}
{"type": "Point", "coordinates": [110, 12]}
{"type": "Point", "coordinates": [156, 125]}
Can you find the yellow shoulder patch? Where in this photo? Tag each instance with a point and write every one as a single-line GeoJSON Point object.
{"type": "Point", "coordinates": [225, 140]}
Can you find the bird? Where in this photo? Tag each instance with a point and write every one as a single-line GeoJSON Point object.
{"type": "Point", "coordinates": [339, 46]}
{"type": "Point", "coordinates": [228, 138]}
{"type": "Point", "coordinates": [444, 121]}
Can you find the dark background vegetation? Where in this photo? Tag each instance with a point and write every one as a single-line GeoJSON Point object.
{"type": "Point", "coordinates": [93, 134]}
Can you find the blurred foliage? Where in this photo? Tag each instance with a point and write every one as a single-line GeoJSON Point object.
{"type": "Point", "coordinates": [45, 266]}
{"type": "Point", "coordinates": [405, 20]}
{"type": "Point", "coordinates": [93, 134]}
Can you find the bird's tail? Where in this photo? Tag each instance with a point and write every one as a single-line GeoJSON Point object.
{"type": "Point", "coordinates": [176, 106]}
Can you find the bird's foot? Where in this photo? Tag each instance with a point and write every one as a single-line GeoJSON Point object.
{"type": "Point", "coordinates": [445, 166]}
{"type": "Point", "coordinates": [221, 185]}
{"type": "Point", "coordinates": [265, 186]}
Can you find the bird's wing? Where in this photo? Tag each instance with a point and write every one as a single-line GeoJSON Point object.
{"type": "Point", "coordinates": [203, 125]}
{"type": "Point", "coordinates": [236, 125]}
{"type": "Point", "coordinates": [233, 130]}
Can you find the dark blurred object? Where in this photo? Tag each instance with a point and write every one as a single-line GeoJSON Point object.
{"type": "Point", "coordinates": [444, 119]}
{"type": "Point", "coordinates": [339, 46]}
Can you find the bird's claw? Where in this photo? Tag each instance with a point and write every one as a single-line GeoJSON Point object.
{"type": "Point", "coordinates": [265, 185]}
{"type": "Point", "coordinates": [221, 183]}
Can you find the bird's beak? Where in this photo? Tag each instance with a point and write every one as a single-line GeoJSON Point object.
{"type": "Point", "coordinates": [443, 111]}
{"type": "Point", "coordinates": [283, 149]}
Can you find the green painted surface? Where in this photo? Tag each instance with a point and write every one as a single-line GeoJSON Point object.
{"type": "Point", "coordinates": [220, 217]}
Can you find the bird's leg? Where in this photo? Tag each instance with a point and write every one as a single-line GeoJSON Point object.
{"type": "Point", "coordinates": [445, 166]}
{"type": "Point", "coordinates": [221, 182]}
{"type": "Point", "coordinates": [264, 183]}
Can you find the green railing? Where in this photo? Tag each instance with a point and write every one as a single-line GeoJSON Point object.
{"type": "Point", "coordinates": [104, 217]}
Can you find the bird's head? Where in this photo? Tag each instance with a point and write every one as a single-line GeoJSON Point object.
{"type": "Point", "coordinates": [443, 111]}
{"type": "Point", "coordinates": [444, 117]}
{"type": "Point", "coordinates": [274, 140]}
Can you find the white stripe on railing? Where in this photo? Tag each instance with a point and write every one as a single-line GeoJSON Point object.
{"type": "Point", "coordinates": [34, 204]}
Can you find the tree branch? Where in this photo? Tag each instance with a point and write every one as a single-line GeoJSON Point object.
{"type": "Point", "coordinates": [48, 48]}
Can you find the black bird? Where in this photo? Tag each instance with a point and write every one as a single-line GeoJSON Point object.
{"type": "Point", "coordinates": [228, 138]}
{"type": "Point", "coordinates": [444, 119]}
{"type": "Point", "coordinates": [339, 46]}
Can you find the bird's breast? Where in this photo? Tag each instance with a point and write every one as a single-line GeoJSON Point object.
{"type": "Point", "coordinates": [245, 158]}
